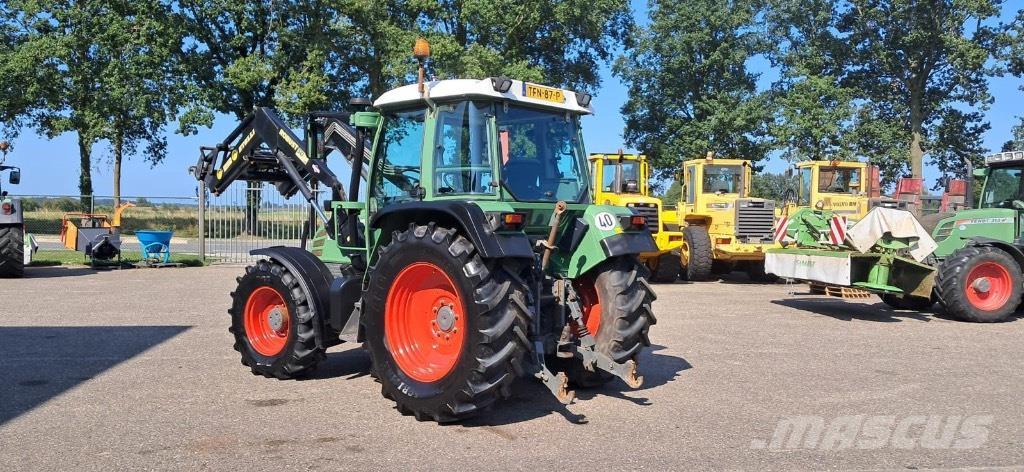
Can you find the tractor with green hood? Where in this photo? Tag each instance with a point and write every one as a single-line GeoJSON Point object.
{"type": "Point", "coordinates": [463, 253]}
{"type": "Point", "coordinates": [971, 263]}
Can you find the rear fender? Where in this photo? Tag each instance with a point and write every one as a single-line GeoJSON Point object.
{"type": "Point", "coordinates": [596, 236]}
{"type": "Point", "coordinates": [1011, 249]}
{"type": "Point", "coordinates": [315, 279]}
{"type": "Point", "coordinates": [469, 219]}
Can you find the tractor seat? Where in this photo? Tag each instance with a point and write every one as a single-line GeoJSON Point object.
{"type": "Point", "coordinates": [523, 177]}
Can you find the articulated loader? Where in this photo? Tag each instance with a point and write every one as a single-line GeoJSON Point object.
{"type": "Point", "coordinates": [622, 180]}
{"type": "Point", "coordinates": [971, 263]}
{"type": "Point", "coordinates": [846, 188]}
{"type": "Point", "coordinates": [723, 227]}
{"type": "Point", "coordinates": [469, 255]}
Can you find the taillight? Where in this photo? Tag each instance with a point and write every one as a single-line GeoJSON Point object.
{"type": "Point", "coordinates": [7, 208]}
{"type": "Point", "coordinates": [634, 222]}
{"type": "Point", "coordinates": [512, 221]}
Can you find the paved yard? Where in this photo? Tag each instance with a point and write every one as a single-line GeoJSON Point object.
{"type": "Point", "coordinates": [134, 370]}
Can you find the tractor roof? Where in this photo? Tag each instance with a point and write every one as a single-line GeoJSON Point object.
{"type": "Point", "coordinates": [719, 161]}
{"type": "Point", "coordinates": [443, 90]}
{"type": "Point", "coordinates": [853, 164]}
{"type": "Point", "coordinates": [615, 156]}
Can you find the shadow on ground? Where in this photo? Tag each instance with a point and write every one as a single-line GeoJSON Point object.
{"type": "Point", "coordinates": [848, 311]}
{"type": "Point", "coordinates": [39, 363]}
{"type": "Point", "coordinates": [530, 399]}
{"type": "Point", "coordinates": [46, 272]}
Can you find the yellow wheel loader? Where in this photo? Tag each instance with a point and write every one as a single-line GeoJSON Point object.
{"type": "Point", "coordinates": [846, 188]}
{"type": "Point", "coordinates": [622, 180]}
{"type": "Point", "coordinates": [724, 229]}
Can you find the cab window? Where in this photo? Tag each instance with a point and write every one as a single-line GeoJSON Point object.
{"type": "Point", "coordinates": [397, 175]}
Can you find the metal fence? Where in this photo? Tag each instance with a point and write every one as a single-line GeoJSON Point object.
{"type": "Point", "coordinates": [222, 228]}
{"type": "Point", "coordinates": [251, 216]}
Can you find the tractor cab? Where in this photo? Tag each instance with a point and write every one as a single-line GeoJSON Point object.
{"type": "Point", "coordinates": [999, 211]}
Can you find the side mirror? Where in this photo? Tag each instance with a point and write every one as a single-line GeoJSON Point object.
{"type": "Point", "coordinates": [789, 172]}
{"type": "Point", "coordinates": [15, 177]}
{"type": "Point", "coordinates": [980, 172]}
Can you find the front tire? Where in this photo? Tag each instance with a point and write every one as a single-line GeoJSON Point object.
{"type": "Point", "coordinates": [445, 328]}
{"type": "Point", "coordinates": [617, 312]}
{"type": "Point", "coordinates": [272, 321]}
{"type": "Point", "coordinates": [12, 251]}
{"type": "Point", "coordinates": [696, 255]}
{"type": "Point", "coordinates": [980, 284]}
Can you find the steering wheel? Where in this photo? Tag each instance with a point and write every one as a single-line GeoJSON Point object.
{"type": "Point", "coordinates": [789, 196]}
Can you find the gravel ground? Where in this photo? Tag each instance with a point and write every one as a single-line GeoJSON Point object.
{"type": "Point", "coordinates": [134, 369]}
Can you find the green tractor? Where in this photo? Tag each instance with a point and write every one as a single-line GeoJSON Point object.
{"type": "Point", "coordinates": [970, 263]}
{"type": "Point", "coordinates": [464, 253]}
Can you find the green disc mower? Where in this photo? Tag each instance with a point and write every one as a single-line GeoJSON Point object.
{"type": "Point", "coordinates": [970, 263]}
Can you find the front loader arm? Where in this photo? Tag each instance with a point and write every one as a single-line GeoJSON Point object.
{"type": "Point", "coordinates": [264, 149]}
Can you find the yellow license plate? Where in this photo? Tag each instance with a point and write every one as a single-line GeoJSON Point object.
{"type": "Point", "coordinates": [547, 94]}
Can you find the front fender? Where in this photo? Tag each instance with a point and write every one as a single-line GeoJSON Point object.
{"type": "Point", "coordinates": [315, 280]}
{"type": "Point", "coordinates": [597, 236]}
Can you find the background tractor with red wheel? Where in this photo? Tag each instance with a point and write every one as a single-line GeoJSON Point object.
{"type": "Point", "coordinates": [970, 263]}
{"type": "Point", "coordinates": [464, 253]}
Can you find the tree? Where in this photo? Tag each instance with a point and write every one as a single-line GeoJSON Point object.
{"type": "Point", "coordinates": [142, 86]}
{"type": "Point", "coordinates": [920, 64]}
{"type": "Point", "coordinates": [772, 186]}
{"type": "Point", "coordinates": [99, 69]}
{"type": "Point", "coordinates": [690, 90]}
{"type": "Point", "coordinates": [814, 111]}
{"type": "Point", "coordinates": [51, 72]}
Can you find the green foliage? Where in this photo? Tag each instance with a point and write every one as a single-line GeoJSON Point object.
{"type": "Point", "coordinates": [690, 90]}
{"type": "Point", "coordinates": [772, 186]}
{"type": "Point", "coordinates": [924, 66]}
{"type": "Point", "coordinates": [99, 69]}
{"type": "Point", "coordinates": [673, 194]}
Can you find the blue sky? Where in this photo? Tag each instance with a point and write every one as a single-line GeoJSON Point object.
{"type": "Point", "coordinates": [51, 166]}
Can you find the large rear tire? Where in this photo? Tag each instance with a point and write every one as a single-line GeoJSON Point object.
{"type": "Point", "coordinates": [617, 311]}
{"type": "Point", "coordinates": [273, 322]}
{"type": "Point", "coordinates": [445, 329]}
{"type": "Point", "coordinates": [12, 251]}
{"type": "Point", "coordinates": [980, 284]}
{"type": "Point", "coordinates": [756, 273]}
{"type": "Point", "coordinates": [696, 255]}
{"type": "Point", "coordinates": [666, 269]}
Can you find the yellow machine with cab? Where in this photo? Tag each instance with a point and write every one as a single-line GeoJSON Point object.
{"type": "Point", "coordinates": [845, 188]}
{"type": "Point", "coordinates": [623, 180]}
{"type": "Point", "coordinates": [724, 229]}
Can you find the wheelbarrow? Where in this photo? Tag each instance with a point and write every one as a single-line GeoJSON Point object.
{"type": "Point", "coordinates": [156, 246]}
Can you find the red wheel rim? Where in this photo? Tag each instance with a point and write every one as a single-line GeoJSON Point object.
{"type": "Point", "coordinates": [267, 321]}
{"type": "Point", "coordinates": [424, 322]}
{"type": "Point", "coordinates": [988, 286]}
{"type": "Point", "coordinates": [591, 305]}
